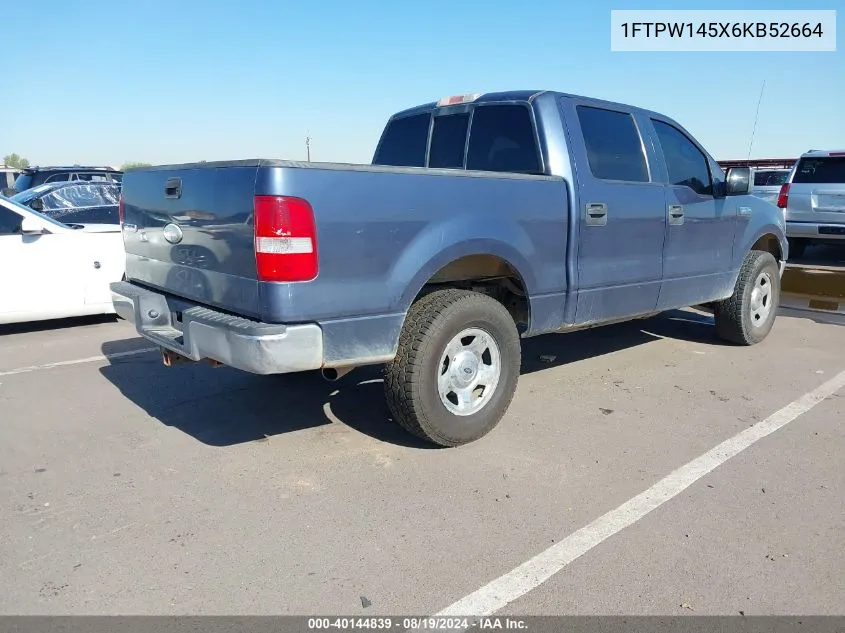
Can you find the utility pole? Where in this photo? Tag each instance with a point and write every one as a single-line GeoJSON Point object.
{"type": "Point", "coordinates": [308, 147]}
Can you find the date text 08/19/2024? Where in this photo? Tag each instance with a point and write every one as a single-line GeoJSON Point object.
{"type": "Point", "coordinates": [416, 623]}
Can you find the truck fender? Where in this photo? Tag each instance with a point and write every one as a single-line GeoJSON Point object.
{"type": "Point", "coordinates": [441, 245]}
{"type": "Point", "coordinates": [753, 234]}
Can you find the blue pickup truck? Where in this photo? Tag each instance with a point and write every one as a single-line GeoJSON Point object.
{"type": "Point", "coordinates": [483, 219]}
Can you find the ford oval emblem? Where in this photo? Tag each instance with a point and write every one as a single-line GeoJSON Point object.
{"type": "Point", "coordinates": [172, 233]}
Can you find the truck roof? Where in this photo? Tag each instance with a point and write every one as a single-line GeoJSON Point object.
{"type": "Point", "coordinates": [521, 95]}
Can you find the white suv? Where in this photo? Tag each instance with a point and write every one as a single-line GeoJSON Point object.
{"type": "Point", "coordinates": [813, 199]}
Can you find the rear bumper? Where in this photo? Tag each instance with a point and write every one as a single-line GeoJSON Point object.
{"type": "Point", "coordinates": [816, 230]}
{"type": "Point", "coordinates": [199, 333]}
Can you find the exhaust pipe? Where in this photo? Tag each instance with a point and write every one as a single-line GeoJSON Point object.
{"type": "Point", "coordinates": [170, 358]}
{"type": "Point", "coordinates": [335, 373]}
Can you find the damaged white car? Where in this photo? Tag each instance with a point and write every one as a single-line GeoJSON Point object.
{"type": "Point", "coordinates": [51, 270]}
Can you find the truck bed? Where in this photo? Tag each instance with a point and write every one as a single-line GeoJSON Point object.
{"type": "Point", "coordinates": [382, 232]}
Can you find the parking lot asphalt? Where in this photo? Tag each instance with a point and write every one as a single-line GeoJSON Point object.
{"type": "Point", "coordinates": [130, 488]}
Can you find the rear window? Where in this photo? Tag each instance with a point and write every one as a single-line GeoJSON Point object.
{"type": "Point", "coordinates": [448, 139]}
{"type": "Point", "coordinates": [502, 139]}
{"type": "Point", "coordinates": [770, 178]}
{"type": "Point", "coordinates": [820, 170]}
{"type": "Point", "coordinates": [404, 142]}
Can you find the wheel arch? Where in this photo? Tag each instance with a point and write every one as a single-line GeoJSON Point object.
{"type": "Point", "coordinates": [770, 243]}
{"type": "Point", "coordinates": [492, 273]}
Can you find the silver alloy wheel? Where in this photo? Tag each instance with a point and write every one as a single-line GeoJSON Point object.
{"type": "Point", "coordinates": [469, 371]}
{"type": "Point", "coordinates": [761, 299]}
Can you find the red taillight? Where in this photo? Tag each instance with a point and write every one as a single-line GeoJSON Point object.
{"type": "Point", "coordinates": [120, 210]}
{"type": "Point", "coordinates": [783, 195]}
{"type": "Point", "coordinates": [285, 239]}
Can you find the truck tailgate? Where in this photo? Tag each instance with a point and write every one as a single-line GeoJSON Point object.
{"type": "Point", "coordinates": [188, 230]}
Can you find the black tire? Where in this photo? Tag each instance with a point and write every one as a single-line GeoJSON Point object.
{"type": "Point", "coordinates": [411, 379]}
{"type": "Point", "coordinates": [735, 321]}
{"type": "Point", "coordinates": [797, 248]}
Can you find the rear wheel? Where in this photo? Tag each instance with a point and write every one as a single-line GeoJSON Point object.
{"type": "Point", "coordinates": [456, 368]}
{"type": "Point", "coordinates": [747, 316]}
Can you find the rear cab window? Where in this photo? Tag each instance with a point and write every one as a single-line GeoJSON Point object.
{"type": "Point", "coordinates": [820, 170]}
{"type": "Point", "coordinates": [448, 141]}
{"type": "Point", "coordinates": [497, 137]}
{"type": "Point", "coordinates": [404, 142]}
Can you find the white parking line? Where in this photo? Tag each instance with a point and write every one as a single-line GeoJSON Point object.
{"type": "Point", "coordinates": [78, 361]}
{"type": "Point", "coordinates": [532, 573]}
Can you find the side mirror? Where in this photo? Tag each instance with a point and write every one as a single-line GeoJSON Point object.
{"type": "Point", "coordinates": [36, 204]}
{"type": "Point", "coordinates": [31, 226]}
{"type": "Point", "coordinates": [739, 181]}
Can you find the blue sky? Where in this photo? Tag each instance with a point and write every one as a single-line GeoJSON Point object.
{"type": "Point", "coordinates": [105, 81]}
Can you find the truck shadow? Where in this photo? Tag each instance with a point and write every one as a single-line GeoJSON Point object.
{"type": "Point", "coordinates": [224, 407]}
{"type": "Point", "coordinates": [30, 327]}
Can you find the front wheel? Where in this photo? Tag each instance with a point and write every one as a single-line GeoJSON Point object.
{"type": "Point", "coordinates": [747, 316]}
{"type": "Point", "coordinates": [456, 368]}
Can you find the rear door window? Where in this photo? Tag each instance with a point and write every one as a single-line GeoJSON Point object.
{"type": "Point", "coordinates": [614, 148]}
{"type": "Point", "coordinates": [502, 139]}
{"type": "Point", "coordinates": [448, 140]}
{"type": "Point", "coordinates": [404, 142]}
{"type": "Point", "coordinates": [820, 170]}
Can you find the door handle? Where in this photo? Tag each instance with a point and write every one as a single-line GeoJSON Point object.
{"type": "Point", "coordinates": [676, 214]}
{"type": "Point", "coordinates": [596, 214]}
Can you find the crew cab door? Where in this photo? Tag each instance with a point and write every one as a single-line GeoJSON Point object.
{"type": "Point", "coordinates": [700, 227]}
{"type": "Point", "coordinates": [39, 272]}
{"type": "Point", "coordinates": [621, 210]}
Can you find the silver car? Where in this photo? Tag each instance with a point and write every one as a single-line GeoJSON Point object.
{"type": "Point", "coordinates": [813, 199]}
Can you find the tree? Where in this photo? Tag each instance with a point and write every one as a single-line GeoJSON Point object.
{"type": "Point", "coordinates": [133, 165]}
{"type": "Point", "coordinates": [13, 160]}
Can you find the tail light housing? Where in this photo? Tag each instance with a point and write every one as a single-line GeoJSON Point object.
{"type": "Point", "coordinates": [285, 239]}
{"type": "Point", "coordinates": [783, 195]}
{"type": "Point", "coordinates": [120, 210]}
